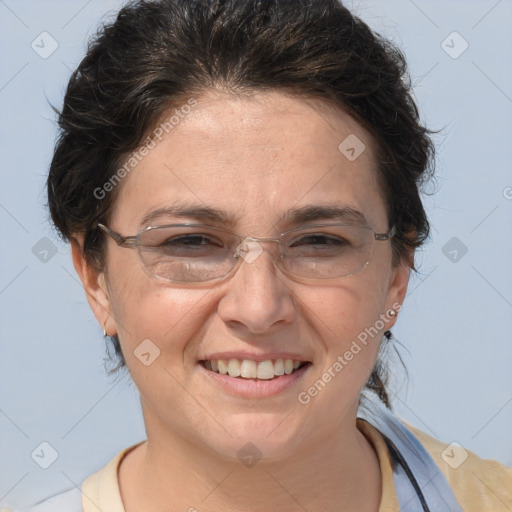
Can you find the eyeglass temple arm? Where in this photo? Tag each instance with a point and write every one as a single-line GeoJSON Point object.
{"type": "Point", "coordinates": [128, 241]}
{"type": "Point", "coordinates": [386, 236]}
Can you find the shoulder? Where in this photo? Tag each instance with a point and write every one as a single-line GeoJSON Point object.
{"type": "Point", "coordinates": [69, 501]}
{"type": "Point", "coordinates": [100, 487]}
{"type": "Point", "coordinates": [98, 491]}
{"type": "Point", "coordinates": [478, 484]}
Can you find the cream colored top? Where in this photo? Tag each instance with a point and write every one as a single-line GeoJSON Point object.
{"type": "Point", "coordinates": [479, 485]}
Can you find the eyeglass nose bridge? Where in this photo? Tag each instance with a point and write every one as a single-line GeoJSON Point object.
{"type": "Point", "coordinates": [250, 249]}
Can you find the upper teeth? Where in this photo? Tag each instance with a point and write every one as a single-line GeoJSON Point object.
{"type": "Point", "coordinates": [249, 369]}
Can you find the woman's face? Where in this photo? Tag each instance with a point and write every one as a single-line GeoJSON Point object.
{"type": "Point", "coordinates": [257, 159]}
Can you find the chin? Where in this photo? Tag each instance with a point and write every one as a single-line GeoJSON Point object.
{"type": "Point", "coordinates": [256, 437]}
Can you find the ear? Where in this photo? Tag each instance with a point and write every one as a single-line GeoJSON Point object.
{"type": "Point", "coordinates": [95, 287]}
{"type": "Point", "coordinates": [397, 290]}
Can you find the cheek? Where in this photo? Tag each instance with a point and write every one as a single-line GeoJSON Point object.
{"type": "Point", "coordinates": [342, 313]}
{"type": "Point", "coordinates": [347, 322]}
{"type": "Point", "coordinates": [145, 309]}
{"type": "Point", "coordinates": [344, 321]}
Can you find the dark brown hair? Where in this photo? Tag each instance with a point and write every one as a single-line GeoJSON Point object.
{"type": "Point", "coordinates": [157, 54]}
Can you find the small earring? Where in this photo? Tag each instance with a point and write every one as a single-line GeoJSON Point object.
{"type": "Point", "coordinates": [392, 313]}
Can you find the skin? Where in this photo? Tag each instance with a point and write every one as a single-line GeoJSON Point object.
{"type": "Point", "coordinates": [256, 157]}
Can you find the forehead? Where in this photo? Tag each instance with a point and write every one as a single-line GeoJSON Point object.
{"type": "Point", "coordinates": [255, 158]}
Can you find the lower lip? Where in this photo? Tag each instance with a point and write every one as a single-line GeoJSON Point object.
{"type": "Point", "coordinates": [252, 388]}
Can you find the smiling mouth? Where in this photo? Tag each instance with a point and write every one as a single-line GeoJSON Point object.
{"type": "Point", "coordinates": [249, 369]}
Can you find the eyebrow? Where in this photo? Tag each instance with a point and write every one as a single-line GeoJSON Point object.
{"type": "Point", "coordinates": [324, 212]}
{"type": "Point", "coordinates": [186, 211]}
{"type": "Point", "coordinates": [292, 217]}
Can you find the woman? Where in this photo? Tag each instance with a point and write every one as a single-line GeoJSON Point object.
{"type": "Point", "coordinates": [239, 183]}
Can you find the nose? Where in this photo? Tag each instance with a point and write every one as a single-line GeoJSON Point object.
{"type": "Point", "coordinates": [257, 296]}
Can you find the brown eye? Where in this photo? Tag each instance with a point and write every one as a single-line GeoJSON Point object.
{"type": "Point", "coordinates": [320, 240]}
{"type": "Point", "coordinates": [191, 240]}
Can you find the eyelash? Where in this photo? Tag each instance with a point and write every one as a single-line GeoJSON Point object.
{"type": "Point", "coordinates": [325, 237]}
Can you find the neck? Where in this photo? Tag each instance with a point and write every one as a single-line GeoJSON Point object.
{"type": "Point", "coordinates": [336, 472]}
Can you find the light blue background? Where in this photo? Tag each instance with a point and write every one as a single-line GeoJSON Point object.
{"type": "Point", "coordinates": [457, 320]}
